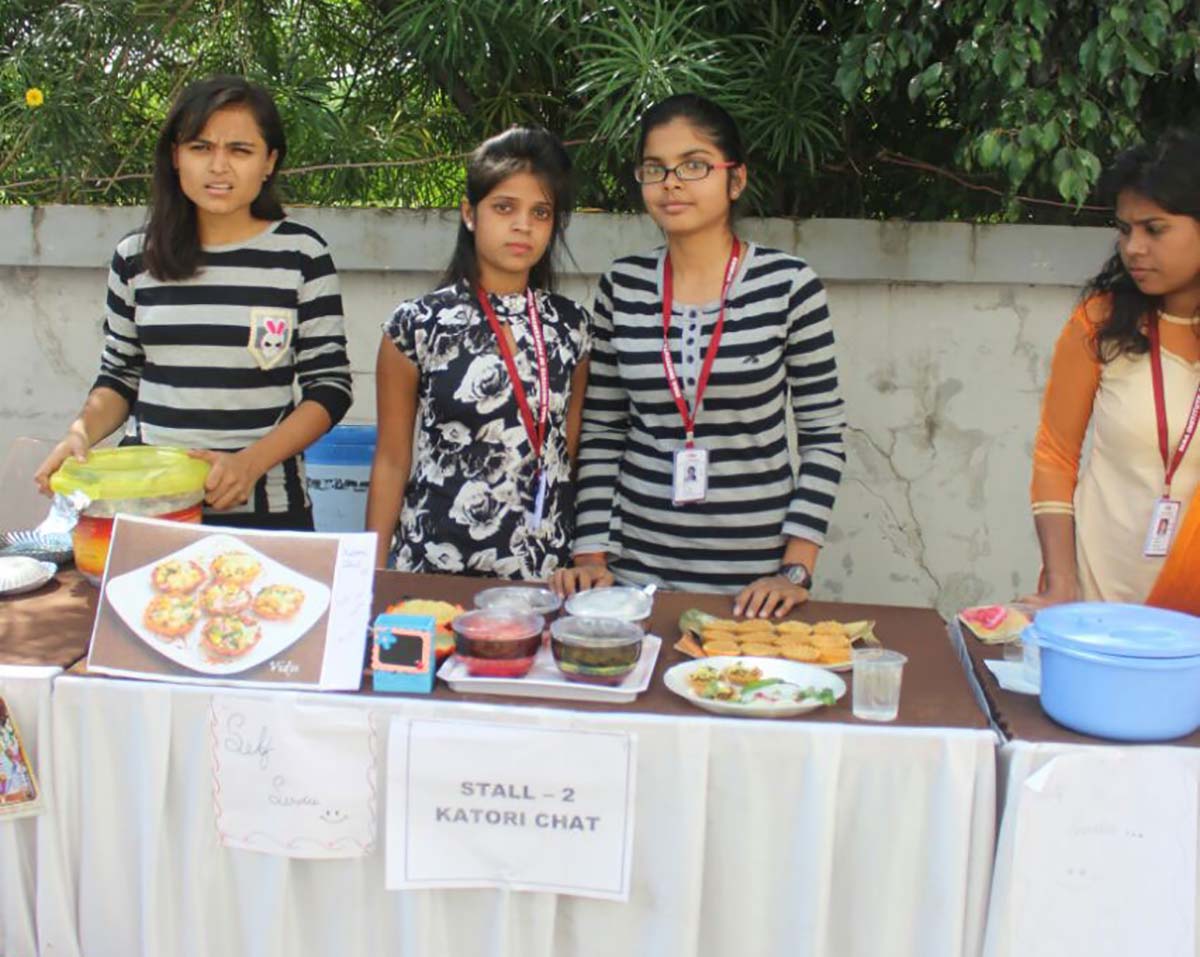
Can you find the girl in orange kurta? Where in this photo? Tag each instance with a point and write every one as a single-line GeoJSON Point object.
{"type": "Point", "coordinates": [1093, 521]}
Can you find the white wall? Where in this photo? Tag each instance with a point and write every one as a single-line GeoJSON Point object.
{"type": "Point", "coordinates": [944, 333]}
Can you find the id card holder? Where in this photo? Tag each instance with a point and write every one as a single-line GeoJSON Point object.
{"type": "Point", "coordinates": [534, 519]}
{"type": "Point", "coordinates": [691, 476]}
{"type": "Point", "coordinates": [1163, 522]}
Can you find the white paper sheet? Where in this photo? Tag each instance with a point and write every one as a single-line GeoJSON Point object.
{"type": "Point", "coordinates": [293, 779]}
{"type": "Point", "coordinates": [1104, 859]}
{"type": "Point", "coordinates": [527, 808]}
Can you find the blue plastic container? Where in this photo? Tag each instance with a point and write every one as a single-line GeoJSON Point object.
{"type": "Point", "coordinates": [1125, 672]}
{"type": "Point", "coordinates": [338, 467]}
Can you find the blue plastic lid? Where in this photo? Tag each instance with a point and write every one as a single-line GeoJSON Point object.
{"type": "Point", "coordinates": [1125, 631]}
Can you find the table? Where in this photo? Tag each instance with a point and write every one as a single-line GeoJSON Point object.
{"type": "Point", "coordinates": [752, 837]}
{"type": "Point", "coordinates": [32, 653]}
{"type": "Point", "coordinates": [1032, 740]}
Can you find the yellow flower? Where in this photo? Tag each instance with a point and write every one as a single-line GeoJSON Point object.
{"type": "Point", "coordinates": [34, 98]}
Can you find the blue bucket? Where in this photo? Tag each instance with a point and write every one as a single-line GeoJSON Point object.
{"type": "Point", "coordinates": [338, 469]}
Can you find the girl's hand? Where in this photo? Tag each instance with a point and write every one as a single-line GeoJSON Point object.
{"type": "Point", "coordinates": [1052, 593]}
{"type": "Point", "coordinates": [231, 480]}
{"type": "Point", "coordinates": [74, 445]}
{"type": "Point", "coordinates": [568, 581]}
{"type": "Point", "coordinates": [774, 594]}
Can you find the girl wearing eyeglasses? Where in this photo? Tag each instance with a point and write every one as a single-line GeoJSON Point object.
{"type": "Point", "coordinates": [700, 348]}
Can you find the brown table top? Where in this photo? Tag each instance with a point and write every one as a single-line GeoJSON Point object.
{"type": "Point", "coordinates": [935, 694]}
{"type": "Point", "coordinates": [51, 626]}
{"type": "Point", "coordinates": [1020, 716]}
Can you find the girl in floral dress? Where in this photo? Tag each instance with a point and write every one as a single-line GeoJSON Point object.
{"type": "Point", "coordinates": [489, 371]}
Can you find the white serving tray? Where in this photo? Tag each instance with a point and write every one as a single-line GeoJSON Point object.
{"type": "Point", "coordinates": [546, 681]}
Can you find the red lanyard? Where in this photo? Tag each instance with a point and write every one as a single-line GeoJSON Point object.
{"type": "Point", "coordinates": [1160, 411]}
{"type": "Point", "coordinates": [689, 416]}
{"type": "Point", "coordinates": [537, 437]}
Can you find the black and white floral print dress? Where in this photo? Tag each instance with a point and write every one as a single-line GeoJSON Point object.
{"type": "Point", "coordinates": [473, 479]}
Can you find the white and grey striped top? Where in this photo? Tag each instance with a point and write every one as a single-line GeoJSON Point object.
{"type": "Point", "coordinates": [776, 347]}
{"type": "Point", "coordinates": [180, 351]}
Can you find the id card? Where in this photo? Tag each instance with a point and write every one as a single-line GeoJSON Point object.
{"type": "Point", "coordinates": [1163, 522]}
{"type": "Point", "coordinates": [691, 476]}
{"type": "Point", "coordinates": [534, 519]}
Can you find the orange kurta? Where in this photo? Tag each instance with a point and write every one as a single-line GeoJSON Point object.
{"type": "Point", "coordinates": [1113, 494]}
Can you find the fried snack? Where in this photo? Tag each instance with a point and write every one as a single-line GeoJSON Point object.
{"type": "Point", "coordinates": [704, 674]}
{"type": "Point", "coordinates": [741, 674]}
{"type": "Point", "coordinates": [801, 628]}
{"type": "Point", "coordinates": [175, 577]}
{"type": "Point", "coordinates": [715, 649]}
{"type": "Point", "coordinates": [722, 624]}
{"type": "Point", "coordinates": [804, 653]}
{"type": "Point", "coordinates": [226, 637]}
{"type": "Point", "coordinates": [825, 640]}
{"type": "Point", "coordinates": [829, 628]}
{"type": "Point", "coordinates": [834, 656]}
{"type": "Point", "coordinates": [235, 567]}
{"type": "Point", "coordinates": [171, 616]}
{"type": "Point", "coordinates": [278, 602]}
{"type": "Point", "coordinates": [224, 598]}
{"type": "Point", "coordinates": [759, 649]}
{"type": "Point", "coordinates": [717, 634]}
{"type": "Point", "coordinates": [752, 626]}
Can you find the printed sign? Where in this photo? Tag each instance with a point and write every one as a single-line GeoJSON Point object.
{"type": "Point", "coordinates": [293, 779]}
{"type": "Point", "coordinates": [19, 794]}
{"type": "Point", "coordinates": [1104, 856]}
{"type": "Point", "coordinates": [183, 602]}
{"type": "Point", "coordinates": [525, 808]}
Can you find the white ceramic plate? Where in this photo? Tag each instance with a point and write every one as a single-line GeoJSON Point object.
{"type": "Point", "coordinates": [806, 676]}
{"type": "Point", "coordinates": [22, 574]}
{"type": "Point", "coordinates": [544, 680]}
{"type": "Point", "coordinates": [131, 593]}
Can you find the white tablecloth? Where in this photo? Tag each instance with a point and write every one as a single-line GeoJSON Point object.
{"type": "Point", "coordinates": [27, 691]}
{"type": "Point", "coordinates": [751, 838]}
{"type": "Point", "coordinates": [1020, 760]}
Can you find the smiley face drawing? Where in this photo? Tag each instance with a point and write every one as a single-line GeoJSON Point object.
{"type": "Point", "coordinates": [332, 815]}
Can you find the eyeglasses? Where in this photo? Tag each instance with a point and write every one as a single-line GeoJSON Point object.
{"type": "Point", "coordinates": [687, 171]}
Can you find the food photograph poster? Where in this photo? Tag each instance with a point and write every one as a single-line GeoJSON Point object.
{"type": "Point", "coordinates": [202, 604]}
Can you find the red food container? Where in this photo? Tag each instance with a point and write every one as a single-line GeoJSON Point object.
{"type": "Point", "coordinates": [498, 643]}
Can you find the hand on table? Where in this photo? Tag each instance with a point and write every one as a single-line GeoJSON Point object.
{"type": "Point", "coordinates": [74, 445]}
{"type": "Point", "coordinates": [568, 581]}
{"type": "Point", "coordinates": [772, 595]}
{"type": "Point", "coordinates": [231, 479]}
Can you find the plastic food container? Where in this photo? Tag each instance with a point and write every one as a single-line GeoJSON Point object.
{"type": "Point", "coordinates": [619, 603]}
{"type": "Point", "coordinates": [600, 651]}
{"type": "Point", "coordinates": [151, 481]}
{"type": "Point", "coordinates": [497, 643]}
{"type": "Point", "coordinates": [519, 598]}
{"type": "Point", "coordinates": [1125, 672]}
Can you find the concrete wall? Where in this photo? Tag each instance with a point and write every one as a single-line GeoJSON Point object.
{"type": "Point", "coordinates": [944, 334]}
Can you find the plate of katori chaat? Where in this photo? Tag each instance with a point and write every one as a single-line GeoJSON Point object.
{"type": "Point", "coordinates": [754, 687]}
{"type": "Point", "coordinates": [824, 644]}
{"type": "Point", "coordinates": [218, 606]}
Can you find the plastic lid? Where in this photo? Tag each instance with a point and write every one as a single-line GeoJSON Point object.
{"type": "Point", "coordinates": [596, 632]}
{"type": "Point", "coordinates": [626, 604]}
{"type": "Point", "coordinates": [135, 471]}
{"type": "Point", "coordinates": [519, 598]}
{"type": "Point", "coordinates": [1126, 631]}
{"type": "Point", "coordinates": [498, 625]}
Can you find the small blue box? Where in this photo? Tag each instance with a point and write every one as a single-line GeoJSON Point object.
{"type": "Point", "coordinates": [402, 653]}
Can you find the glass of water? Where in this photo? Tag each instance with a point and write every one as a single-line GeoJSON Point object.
{"type": "Point", "coordinates": [876, 683]}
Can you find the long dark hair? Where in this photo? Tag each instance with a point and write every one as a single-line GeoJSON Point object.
{"type": "Point", "coordinates": [712, 119]}
{"type": "Point", "coordinates": [522, 149]}
{"type": "Point", "coordinates": [172, 246]}
{"type": "Point", "coordinates": [1168, 174]}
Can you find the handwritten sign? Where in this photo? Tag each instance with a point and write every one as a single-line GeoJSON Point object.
{"type": "Point", "coordinates": [1104, 856]}
{"type": "Point", "coordinates": [526, 808]}
{"type": "Point", "coordinates": [293, 779]}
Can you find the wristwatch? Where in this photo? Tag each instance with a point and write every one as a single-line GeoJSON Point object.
{"type": "Point", "coordinates": [797, 573]}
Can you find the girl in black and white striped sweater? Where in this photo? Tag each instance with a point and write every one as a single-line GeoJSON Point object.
{"type": "Point", "coordinates": [217, 312]}
{"type": "Point", "coordinates": [726, 512]}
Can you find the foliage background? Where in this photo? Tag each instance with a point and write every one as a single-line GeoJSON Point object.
{"type": "Point", "coordinates": [986, 110]}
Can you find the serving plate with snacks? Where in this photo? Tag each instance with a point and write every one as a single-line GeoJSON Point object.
{"type": "Point", "coordinates": [823, 644]}
{"type": "Point", "coordinates": [754, 687]}
{"type": "Point", "coordinates": [218, 606]}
